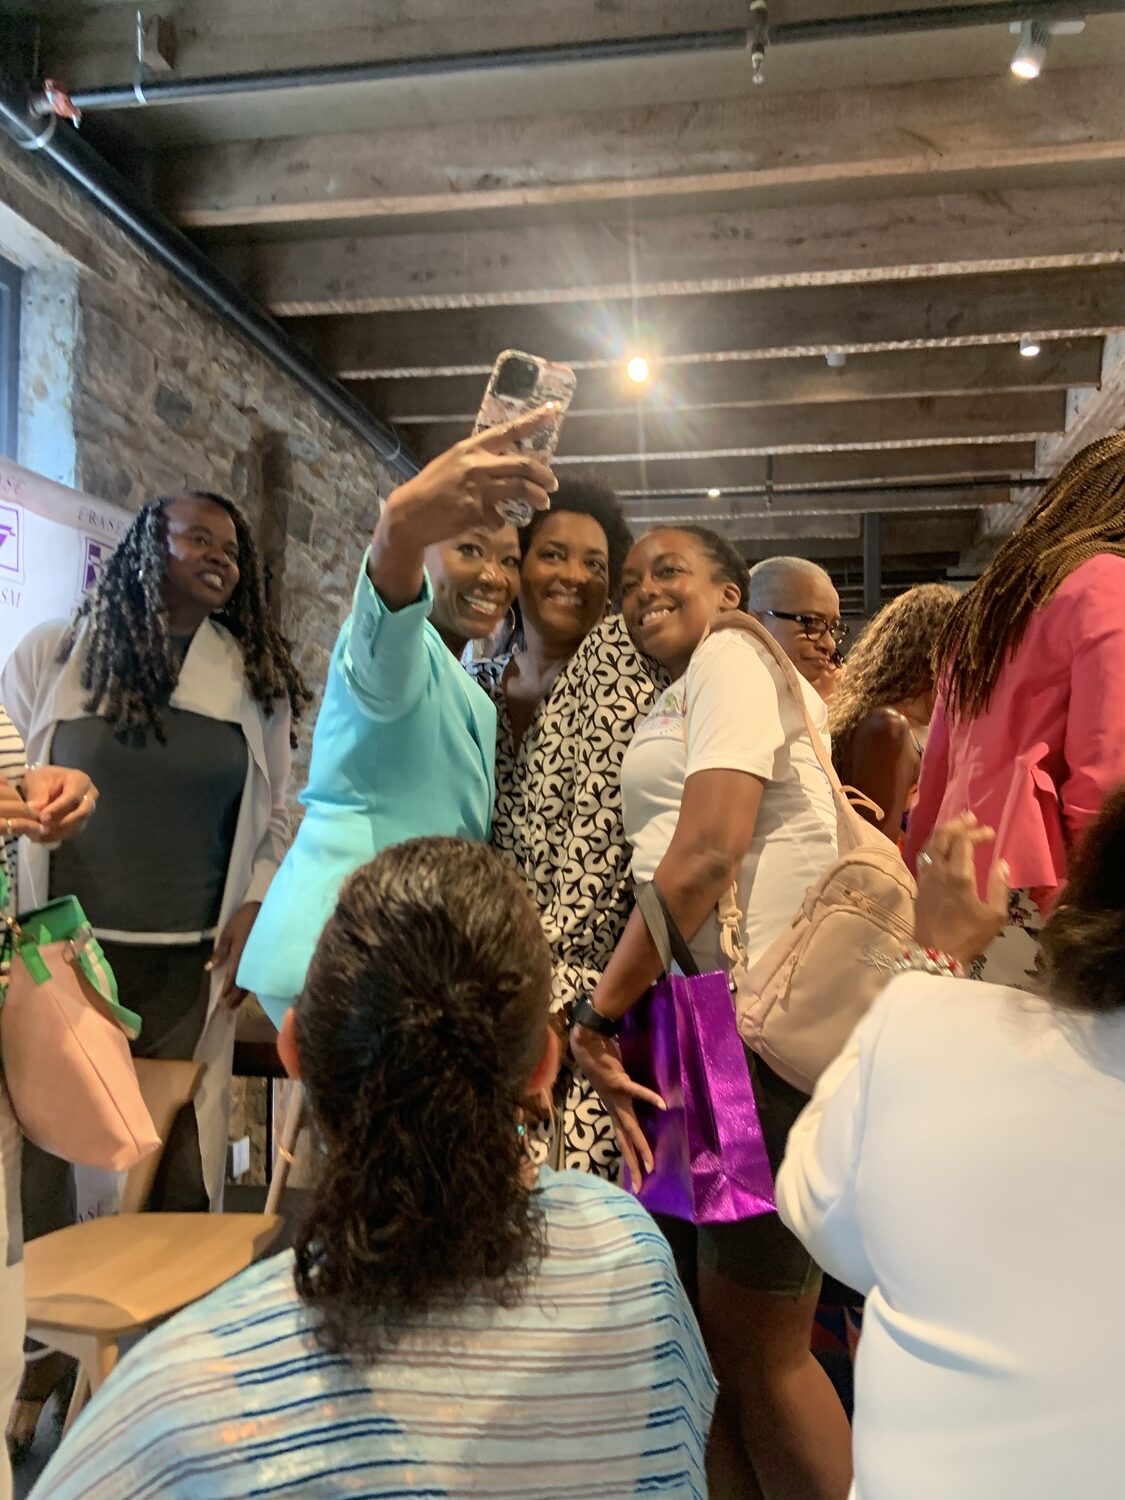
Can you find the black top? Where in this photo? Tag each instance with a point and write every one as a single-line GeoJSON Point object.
{"type": "Point", "coordinates": [155, 857]}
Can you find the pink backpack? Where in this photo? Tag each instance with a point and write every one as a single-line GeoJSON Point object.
{"type": "Point", "coordinates": [798, 1004]}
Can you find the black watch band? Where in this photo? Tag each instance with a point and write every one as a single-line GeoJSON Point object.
{"type": "Point", "coordinates": [584, 1014]}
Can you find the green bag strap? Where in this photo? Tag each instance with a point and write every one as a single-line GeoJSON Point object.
{"type": "Point", "coordinates": [91, 960]}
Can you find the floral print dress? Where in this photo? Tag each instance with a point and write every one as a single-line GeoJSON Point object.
{"type": "Point", "coordinates": [557, 819]}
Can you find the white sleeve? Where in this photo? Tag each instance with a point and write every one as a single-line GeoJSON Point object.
{"type": "Point", "coordinates": [29, 671]}
{"type": "Point", "coordinates": [275, 840]}
{"type": "Point", "coordinates": [732, 713]}
{"type": "Point", "coordinates": [816, 1184]}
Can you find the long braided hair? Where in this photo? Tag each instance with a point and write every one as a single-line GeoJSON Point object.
{"type": "Point", "coordinates": [1080, 514]}
{"type": "Point", "coordinates": [129, 668]}
{"type": "Point", "coordinates": [892, 662]}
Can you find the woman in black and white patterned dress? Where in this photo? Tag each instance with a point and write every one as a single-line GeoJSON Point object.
{"type": "Point", "coordinates": [567, 699]}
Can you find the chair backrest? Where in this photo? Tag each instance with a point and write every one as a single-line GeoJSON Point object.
{"type": "Point", "coordinates": [166, 1086]}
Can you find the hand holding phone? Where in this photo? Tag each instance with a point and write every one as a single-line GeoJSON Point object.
{"type": "Point", "coordinates": [522, 383]}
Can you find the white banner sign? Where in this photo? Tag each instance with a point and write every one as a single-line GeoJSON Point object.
{"type": "Point", "coordinates": [54, 543]}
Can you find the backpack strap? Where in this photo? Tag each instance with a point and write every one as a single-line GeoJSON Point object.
{"type": "Point", "coordinates": [845, 803]}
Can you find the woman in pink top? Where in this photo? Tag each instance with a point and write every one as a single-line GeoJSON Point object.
{"type": "Point", "coordinates": [1029, 731]}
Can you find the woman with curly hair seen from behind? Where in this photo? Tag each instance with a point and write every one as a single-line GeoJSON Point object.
{"type": "Point", "coordinates": [450, 1324]}
{"type": "Point", "coordinates": [879, 716]}
{"type": "Point", "coordinates": [1029, 730]}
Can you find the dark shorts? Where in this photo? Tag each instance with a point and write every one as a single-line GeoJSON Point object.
{"type": "Point", "coordinates": [760, 1254]}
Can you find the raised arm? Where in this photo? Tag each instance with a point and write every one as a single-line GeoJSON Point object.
{"type": "Point", "coordinates": [378, 654]}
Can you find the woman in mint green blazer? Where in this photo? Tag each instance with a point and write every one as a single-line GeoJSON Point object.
{"type": "Point", "coordinates": [405, 741]}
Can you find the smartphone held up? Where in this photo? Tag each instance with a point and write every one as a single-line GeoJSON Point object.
{"type": "Point", "coordinates": [522, 383]}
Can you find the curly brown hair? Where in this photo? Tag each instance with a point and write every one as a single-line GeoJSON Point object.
{"type": "Point", "coordinates": [1083, 943]}
{"type": "Point", "coordinates": [128, 666]}
{"type": "Point", "coordinates": [423, 1017]}
{"type": "Point", "coordinates": [892, 661]}
{"type": "Point", "coordinates": [1080, 514]}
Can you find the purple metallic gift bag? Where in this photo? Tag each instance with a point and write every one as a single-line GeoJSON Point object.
{"type": "Point", "coordinates": [681, 1040]}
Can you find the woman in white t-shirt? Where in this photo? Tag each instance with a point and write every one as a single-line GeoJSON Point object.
{"type": "Point", "coordinates": [721, 784]}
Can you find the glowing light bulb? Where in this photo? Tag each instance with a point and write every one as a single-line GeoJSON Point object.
{"type": "Point", "coordinates": [637, 369]}
{"type": "Point", "coordinates": [1029, 347]}
{"type": "Point", "coordinates": [1031, 54]}
{"type": "Point", "coordinates": [713, 494]}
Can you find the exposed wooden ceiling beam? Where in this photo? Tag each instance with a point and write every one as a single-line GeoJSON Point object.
{"type": "Point", "coordinates": [872, 466]}
{"type": "Point", "coordinates": [746, 250]}
{"type": "Point", "coordinates": [644, 510]}
{"type": "Point", "coordinates": [735, 431]}
{"type": "Point", "coordinates": [765, 139]}
{"type": "Point", "coordinates": [916, 314]}
{"type": "Point", "coordinates": [915, 538]}
{"type": "Point", "coordinates": [1064, 365]}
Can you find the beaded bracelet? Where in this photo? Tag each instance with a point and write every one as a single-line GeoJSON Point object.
{"type": "Point", "coordinates": [915, 959]}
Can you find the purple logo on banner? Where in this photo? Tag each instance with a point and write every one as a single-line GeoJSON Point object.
{"type": "Point", "coordinates": [95, 555]}
{"type": "Point", "coordinates": [11, 543]}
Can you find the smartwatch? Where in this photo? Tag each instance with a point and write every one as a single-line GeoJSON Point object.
{"type": "Point", "coordinates": [584, 1014]}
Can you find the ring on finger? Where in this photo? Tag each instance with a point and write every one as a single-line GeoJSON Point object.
{"type": "Point", "coordinates": [925, 861]}
{"type": "Point", "coordinates": [8, 828]}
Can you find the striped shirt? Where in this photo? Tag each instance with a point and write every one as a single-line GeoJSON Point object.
{"type": "Point", "coordinates": [595, 1384]}
{"type": "Point", "coordinates": [13, 759]}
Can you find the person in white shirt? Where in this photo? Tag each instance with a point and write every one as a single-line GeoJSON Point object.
{"type": "Point", "coordinates": [961, 1156]}
{"type": "Point", "coordinates": [721, 784]}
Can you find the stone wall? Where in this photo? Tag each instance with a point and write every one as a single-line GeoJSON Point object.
{"type": "Point", "coordinates": [164, 396]}
{"type": "Point", "coordinates": [130, 388]}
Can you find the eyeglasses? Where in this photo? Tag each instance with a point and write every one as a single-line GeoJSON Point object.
{"type": "Point", "coordinates": [812, 626]}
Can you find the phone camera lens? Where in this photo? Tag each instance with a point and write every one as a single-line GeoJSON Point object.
{"type": "Point", "coordinates": [517, 378]}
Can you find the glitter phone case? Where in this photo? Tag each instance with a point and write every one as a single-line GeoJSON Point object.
{"type": "Point", "coordinates": [521, 383]}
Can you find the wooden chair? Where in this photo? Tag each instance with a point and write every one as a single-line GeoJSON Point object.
{"type": "Point", "coordinates": [93, 1284]}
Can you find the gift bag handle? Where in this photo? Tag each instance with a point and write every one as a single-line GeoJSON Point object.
{"type": "Point", "coordinates": [669, 941]}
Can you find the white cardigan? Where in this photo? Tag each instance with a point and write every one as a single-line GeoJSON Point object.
{"type": "Point", "coordinates": [38, 694]}
{"type": "Point", "coordinates": [963, 1164]}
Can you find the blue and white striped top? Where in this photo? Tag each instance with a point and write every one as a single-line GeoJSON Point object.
{"type": "Point", "coordinates": [596, 1384]}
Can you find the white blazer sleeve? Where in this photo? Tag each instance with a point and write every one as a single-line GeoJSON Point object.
{"type": "Point", "coordinates": [816, 1185]}
{"type": "Point", "coordinates": [27, 672]}
{"type": "Point", "coordinates": [275, 841]}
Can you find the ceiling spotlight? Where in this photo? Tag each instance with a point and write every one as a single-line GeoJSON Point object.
{"type": "Point", "coordinates": [713, 494]}
{"type": "Point", "coordinates": [637, 369]}
{"type": "Point", "coordinates": [1031, 53]}
{"type": "Point", "coordinates": [836, 360]}
{"type": "Point", "coordinates": [1029, 346]}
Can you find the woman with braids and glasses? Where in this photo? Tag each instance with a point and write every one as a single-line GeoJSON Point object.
{"type": "Point", "coordinates": [451, 1323]}
{"type": "Point", "coordinates": [1029, 730]}
{"type": "Point", "coordinates": [174, 691]}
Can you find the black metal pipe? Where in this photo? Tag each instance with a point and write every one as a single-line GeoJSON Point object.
{"type": "Point", "coordinates": [885, 23]}
{"type": "Point", "coordinates": [181, 90]}
{"type": "Point", "coordinates": [940, 18]}
{"type": "Point", "coordinates": [66, 149]}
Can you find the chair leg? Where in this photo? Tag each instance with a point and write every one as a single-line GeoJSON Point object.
{"type": "Point", "coordinates": [290, 1131]}
{"type": "Point", "coordinates": [78, 1399]}
{"type": "Point", "coordinates": [104, 1361]}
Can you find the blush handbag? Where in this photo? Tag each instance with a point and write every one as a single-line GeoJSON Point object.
{"type": "Point", "coordinates": [800, 1001]}
{"type": "Point", "coordinates": [64, 1041]}
{"type": "Point", "coordinates": [680, 1040]}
